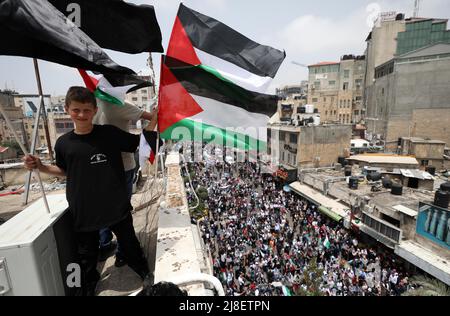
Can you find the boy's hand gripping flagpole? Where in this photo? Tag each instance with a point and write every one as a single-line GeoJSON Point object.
{"type": "Point", "coordinates": [25, 151]}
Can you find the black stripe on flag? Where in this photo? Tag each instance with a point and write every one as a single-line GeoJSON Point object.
{"type": "Point", "coordinates": [37, 29]}
{"type": "Point", "coordinates": [116, 25]}
{"type": "Point", "coordinates": [202, 83]}
{"type": "Point", "coordinates": [216, 38]}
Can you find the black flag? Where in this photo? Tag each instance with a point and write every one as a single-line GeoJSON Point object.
{"type": "Point", "coordinates": [35, 28]}
{"type": "Point", "coordinates": [115, 24]}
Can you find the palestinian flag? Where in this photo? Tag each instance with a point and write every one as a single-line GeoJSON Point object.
{"type": "Point", "coordinates": [148, 147]}
{"type": "Point", "coordinates": [112, 88]}
{"type": "Point", "coordinates": [213, 82]}
{"type": "Point", "coordinates": [116, 25]}
{"type": "Point", "coordinates": [37, 29]}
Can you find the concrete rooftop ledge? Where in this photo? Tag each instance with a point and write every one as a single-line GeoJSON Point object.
{"type": "Point", "coordinates": [177, 257]}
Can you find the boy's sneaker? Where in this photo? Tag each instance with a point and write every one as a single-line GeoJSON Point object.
{"type": "Point", "coordinates": [106, 252]}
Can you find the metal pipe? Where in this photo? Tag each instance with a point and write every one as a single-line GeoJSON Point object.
{"type": "Point", "coordinates": [25, 151]}
{"type": "Point", "coordinates": [42, 107]}
{"type": "Point", "coordinates": [32, 151]}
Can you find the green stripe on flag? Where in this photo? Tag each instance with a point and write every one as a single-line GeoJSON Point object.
{"type": "Point", "coordinates": [108, 98]}
{"type": "Point", "coordinates": [189, 130]}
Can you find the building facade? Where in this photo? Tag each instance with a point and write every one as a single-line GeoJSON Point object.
{"type": "Point", "coordinates": [390, 38]}
{"type": "Point", "coordinates": [308, 146]}
{"type": "Point", "coordinates": [410, 97]}
{"type": "Point", "coordinates": [336, 89]}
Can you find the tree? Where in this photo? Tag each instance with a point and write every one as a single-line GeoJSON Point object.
{"type": "Point", "coordinates": [311, 278]}
{"type": "Point", "coordinates": [427, 287]}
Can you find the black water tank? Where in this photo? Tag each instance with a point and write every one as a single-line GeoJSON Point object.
{"type": "Point", "coordinates": [445, 186]}
{"type": "Point", "coordinates": [442, 199]}
{"type": "Point", "coordinates": [302, 110]}
{"type": "Point", "coordinates": [316, 111]}
{"type": "Point", "coordinates": [341, 160]}
{"type": "Point", "coordinates": [346, 162]}
{"type": "Point", "coordinates": [397, 189]}
{"type": "Point", "coordinates": [431, 170]}
{"type": "Point", "coordinates": [387, 183]}
{"type": "Point", "coordinates": [374, 176]}
{"type": "Point", "coordinates": [348, 171]}
{"type": "Point", "coordinates": [353, 183]}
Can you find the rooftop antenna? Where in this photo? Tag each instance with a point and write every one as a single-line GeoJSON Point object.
{"type": "Point", "coordinates": [416, 8]}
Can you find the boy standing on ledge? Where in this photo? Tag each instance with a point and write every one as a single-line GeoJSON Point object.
{"type": "Point", "coordinates": [90, 157]}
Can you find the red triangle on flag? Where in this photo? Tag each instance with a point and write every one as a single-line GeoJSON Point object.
{"type": "Point", "coordinates": [175, 103]}
{"type": "Point", "coordinates": [180, 46]}
{"type": "Point", "coordinates": [90, 82]}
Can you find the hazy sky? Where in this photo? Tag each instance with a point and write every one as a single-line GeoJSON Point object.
{"type": "Point", "coordinates": [309, 32]}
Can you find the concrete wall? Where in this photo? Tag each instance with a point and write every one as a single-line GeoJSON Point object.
{"type": "Point", "coordinates": [324, 142]}
{"type": "Point", "coordinates": [382, 46]}
{"type": "Point", "coordinates": [428, 151]}
{"type": "Point", "coordinates": [414, 101]}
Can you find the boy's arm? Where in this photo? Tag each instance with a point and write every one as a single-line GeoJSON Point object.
{"type": "Point", "coordinates": [32, 162]}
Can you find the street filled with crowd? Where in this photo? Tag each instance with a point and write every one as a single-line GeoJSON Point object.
{"type": "Point", "coordinates": [265, 241]}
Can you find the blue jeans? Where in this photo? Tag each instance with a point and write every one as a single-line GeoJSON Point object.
{"type": "Point", "coordinates": [106, 235]}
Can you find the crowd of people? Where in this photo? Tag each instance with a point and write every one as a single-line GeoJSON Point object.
{"type": "Point", "coordinates": [268, 242]}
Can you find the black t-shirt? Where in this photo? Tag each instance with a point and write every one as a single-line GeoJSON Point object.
{"type": "Point", "coordinates": [96, 185]}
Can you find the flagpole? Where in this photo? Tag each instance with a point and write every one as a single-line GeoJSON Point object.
{"type": "Point", "coordinates": [32, 151]}
{"type": "Point", "coordinates": [44, 117]}
{"type": "Point", "coordinates": [25, 151]}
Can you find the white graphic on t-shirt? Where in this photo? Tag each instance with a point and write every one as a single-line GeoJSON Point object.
{"type": "Point", "coordinates": [98, 158]}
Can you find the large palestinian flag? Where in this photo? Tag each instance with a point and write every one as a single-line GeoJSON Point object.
{"type": "Point", "coordinates": [213, 82]}
{"type": "Point", "coordinates": [112, 88]}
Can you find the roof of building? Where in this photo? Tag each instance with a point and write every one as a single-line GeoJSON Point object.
{"type": "Point", "coordinates": [418, 19]}
{"type": "Point", "coordinates": [423, 141]}
{"type": "Point", "coordinates": [431, 50]}
{"type": "Point", "coordinates": [325, 63]}
{"type": "Point", "coordinates": [418, 174]}
{"type": "Point", "coordinates": [393, 159]}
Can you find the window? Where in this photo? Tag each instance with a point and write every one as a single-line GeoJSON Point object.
{"type": "Point", "coordinates": [340, 104]}
{"type": "Point", "coordinates": [40, 126]}
{"type": "Point", "coordinates": [293, 138]}
{"type": "Point", "coordinates": [345, 86]}
{"type": "Point", "coordinates": [135, 99]}
{"type": "Point", "coordinates": [282, 156]}
{"type": "Point", "coordinates": [315, 100]}
{"type": "Point", "coordinates": [144, 91]}
{"type": "Point", "coordinates": [144, 99]}
{"type": "Point", "coordinates": [324, 99]}
{"type": "Point", "coordinates": [346, 74]}
{"type": "Point", "coordinates": [424, 163]}
{"type": "Point", "coordinates": [332, 83]}
{"type": "Point", "coordinates": [282, 136]}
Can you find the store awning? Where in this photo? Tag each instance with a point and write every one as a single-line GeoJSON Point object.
{"type": "Point", "coordinates": [333, 209]}
{"type": "Point", "coordinates": [330, 214]}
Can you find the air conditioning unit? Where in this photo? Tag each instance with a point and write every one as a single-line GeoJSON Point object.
{"type": "Point", "coordinates": [35, 250]}
{"type": "Point", "coordinates": [368, 209]}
